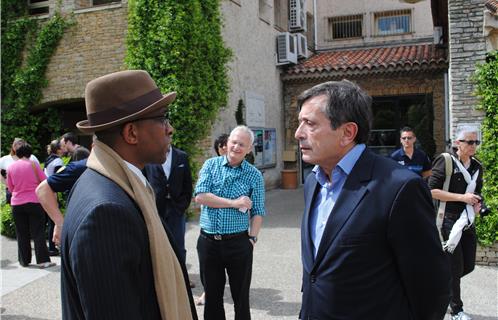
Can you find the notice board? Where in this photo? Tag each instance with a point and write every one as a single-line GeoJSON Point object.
{"type": "Point", "coordinates": [265, 147]}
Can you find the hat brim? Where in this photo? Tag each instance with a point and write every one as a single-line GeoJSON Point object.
{"type": "Point", "coordinates": [84, 126]}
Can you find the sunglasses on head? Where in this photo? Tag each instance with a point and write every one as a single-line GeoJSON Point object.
{"type": "Point", "coordinates": [471, 142]}
{"type": "Point", "coordinates": [406, 138]}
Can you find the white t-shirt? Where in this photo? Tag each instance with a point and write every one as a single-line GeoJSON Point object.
{"type": "Point", "coordinates": [49, 170]}
{"type": "Point", "coordinates": [7, 160]}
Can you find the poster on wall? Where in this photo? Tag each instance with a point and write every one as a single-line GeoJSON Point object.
{"type": "Point", "coordinates": [255, 109]}
{"type": "Point", "coordinates": [265, 147]}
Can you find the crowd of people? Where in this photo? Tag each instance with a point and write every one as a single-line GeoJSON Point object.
{"type": "Point", "coordinates": [373, 244]}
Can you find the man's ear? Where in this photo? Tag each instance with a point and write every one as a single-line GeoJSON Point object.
{"type": "Point", "coordinates": [130, 133]}
{"type": "Point", "coordinates": [349, 132]}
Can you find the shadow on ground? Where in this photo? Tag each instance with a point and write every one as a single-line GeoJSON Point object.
{"type": "Point", "coordinates": [270, 300]}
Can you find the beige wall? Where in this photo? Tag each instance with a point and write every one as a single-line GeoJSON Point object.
{"type": "Point", "coordinates": [252, 69]}
{"type": "Point", "coordinates": [421, 18]}
{"type": "Point", "coordinates": [96, 46]}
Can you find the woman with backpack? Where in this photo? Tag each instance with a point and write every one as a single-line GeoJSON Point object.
{"type": "Point", "coordinates": [456, 182]}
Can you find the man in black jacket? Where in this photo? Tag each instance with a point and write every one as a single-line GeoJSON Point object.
{"type": "Point", "coordinates": [172, 184]}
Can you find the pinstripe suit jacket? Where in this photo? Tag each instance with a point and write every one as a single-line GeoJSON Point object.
{"type": "Point", "coordinates": [106, 270]}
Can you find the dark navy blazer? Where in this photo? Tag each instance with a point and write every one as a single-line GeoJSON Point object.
{"type": "Point", "coordinates": [106, 270]}
{"type": "Point", "coordinates": [173, 194]}
{"type": "Point", "coordinates": [380, 256]}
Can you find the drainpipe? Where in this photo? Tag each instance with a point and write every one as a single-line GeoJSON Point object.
{"type": "Point", "coordinates": [315, 27]}
{"type": "Point", "coordinates": [446, 112]}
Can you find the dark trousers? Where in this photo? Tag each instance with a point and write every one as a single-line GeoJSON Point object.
{"type": "Point", "coordinates": [234, 256]}
{"type": "Point", "coordinates": [176, 224]}
{"type": "Point", "coordinates": [29, 219]}
{"type": "Point", "coordinates": [462, 262]}
{"type": "Point", "coordinates": [50, 234]}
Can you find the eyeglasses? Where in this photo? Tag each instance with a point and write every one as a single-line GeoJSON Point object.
{"type": "Point", "coordinates": [163, 119]}
{"type": "Point", "coordinates": [406, 138]}
{"type": "Point", "coordinates": [471, 142]}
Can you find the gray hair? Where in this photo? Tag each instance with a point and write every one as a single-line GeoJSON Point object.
{"type": "Point", "coordinates": [246, 130]}
{"type": "Point", "coordinates": [463, 130]}
{"type": "Point", "coordinates": [346, 102]}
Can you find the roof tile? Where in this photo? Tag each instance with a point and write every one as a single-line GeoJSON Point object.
{"type": "Point", "coordinates": [373, 59]}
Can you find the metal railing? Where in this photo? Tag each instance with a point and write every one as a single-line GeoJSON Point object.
{"type": "Point", "coordinates": [345, 27]}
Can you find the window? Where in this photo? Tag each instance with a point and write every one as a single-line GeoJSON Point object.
{"type": "Point", "coordinates": [281, 14]}
{"type": "Point", "coordinates": [265, 10]}
{"type": "Point", "coordinates": [36, 7]}
{"type": "Point", "coordinates": [345, 27]}
{"type": "Point", "coordinates": [392, 113]}
{"type": "Point", "coordinates": [100, 2]}
{"type": "Point", "coordinates": [392, 22]}
{"type": "Point", "coordinates": [85, 4]}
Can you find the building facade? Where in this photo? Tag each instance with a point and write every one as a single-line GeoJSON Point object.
{"type": "Point", "coordinates": [398, 52]}
{"type": "Point", "coordinates": [387, 48]}
{"type": "Point", "coordinates": [96, 45]}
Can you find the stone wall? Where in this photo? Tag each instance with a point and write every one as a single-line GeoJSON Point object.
{"type": "Point", "coordinates": [487, 256]}
{"type": "Point", "coordinates": [466, 48]}
{"type": "Point", "coordinates": [94, 46]}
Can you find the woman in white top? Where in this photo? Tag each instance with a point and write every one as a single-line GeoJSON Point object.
{"type": "Point", "coordinates": [9, 159]}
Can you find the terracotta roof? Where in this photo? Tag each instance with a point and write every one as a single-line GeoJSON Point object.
{"type": "Point", "coordinates": [372, 60]}
{"type": "Point", "coordinates": [492, 5]}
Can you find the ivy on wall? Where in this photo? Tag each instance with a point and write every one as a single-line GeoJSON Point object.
{"type": "Point", "coordinates": [486, 80]}
{"type": "Point", "coordinates": [24, 79]}
{"type": "Point", "coordinates": [26, 51]}
{"type": "Point", "coordinates": [180, 44]}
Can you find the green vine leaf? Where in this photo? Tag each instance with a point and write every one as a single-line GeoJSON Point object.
{"type": "Point", "coordinates": [181, 46]}
{"type": "Point", "coordinates": [23, 81]}
{"type": "Point", "coordinates": [486, 80]}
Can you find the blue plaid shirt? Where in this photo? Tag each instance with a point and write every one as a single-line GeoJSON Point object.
{"type": "Point", "coordinates": [219, 178]}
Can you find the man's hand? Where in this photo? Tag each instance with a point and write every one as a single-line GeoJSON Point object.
{"type": "Point", "coordinates": [57, 235]}
{"type": "Point", "coordinates": [242, 202]}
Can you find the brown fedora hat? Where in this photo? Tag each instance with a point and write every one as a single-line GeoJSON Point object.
{"type": "Point", "coordinates": [121, 97]}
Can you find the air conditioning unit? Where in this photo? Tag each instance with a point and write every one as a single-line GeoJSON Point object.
{"type": "Point", "coordinates": [286, 48]}
{"type": "Point", "coordinates": [302, 46]}
{"type": "Point", "coordinates": [438, 35]}
{"type": "Point", "coordinates": [297, 15]}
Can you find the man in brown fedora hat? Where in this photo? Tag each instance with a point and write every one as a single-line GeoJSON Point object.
{"type": "Point", "coordinates": [118, 262]}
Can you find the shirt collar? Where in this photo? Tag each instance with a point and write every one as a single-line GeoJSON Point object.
{"type": "Point", "coordinates": [347, 162]}
{"type": "Point", "coordinates": [137, 171]}
{"type": "Point", "coordinates": [225, 162]}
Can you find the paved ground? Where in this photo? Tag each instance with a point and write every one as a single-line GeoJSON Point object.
{"type": "Point", "coordinates": [33, 294]}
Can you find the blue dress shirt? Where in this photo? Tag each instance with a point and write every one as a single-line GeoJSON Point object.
{"type": "Point", "coordinates": [329, 192]}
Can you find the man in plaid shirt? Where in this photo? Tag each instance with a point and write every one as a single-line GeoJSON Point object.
{"type": "Point", "coordinates": [231, 192]}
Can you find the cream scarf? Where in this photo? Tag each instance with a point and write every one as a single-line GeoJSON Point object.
{"type": "Point", "coordinates": [169, 281]}
{"type": "Point", "coordinates": [467, 216]}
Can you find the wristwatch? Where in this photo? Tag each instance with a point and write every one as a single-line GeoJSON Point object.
{"type": "Point", "coordinates": [253, 238]}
